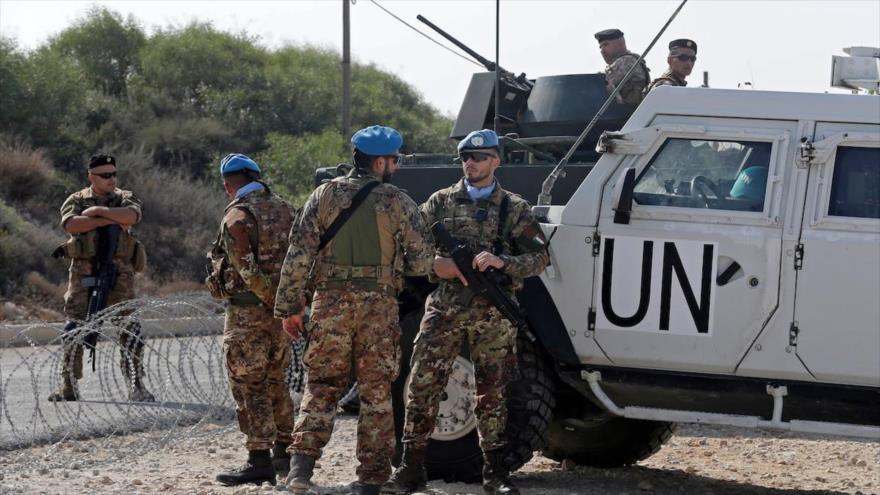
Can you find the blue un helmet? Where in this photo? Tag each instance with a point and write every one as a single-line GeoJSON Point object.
{"type": "Point", "coordinates": [235, 163]}
{"type": "Point", "coordinates": [750, 184]}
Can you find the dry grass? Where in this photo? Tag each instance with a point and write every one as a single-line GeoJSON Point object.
{"type": "Point", "coordinates": [24, 170]}
{"type": "Point", "coordinates": [149, 286]}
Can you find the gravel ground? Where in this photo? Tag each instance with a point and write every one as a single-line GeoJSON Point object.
{"type": "Point", "coordinates": [697, 460]}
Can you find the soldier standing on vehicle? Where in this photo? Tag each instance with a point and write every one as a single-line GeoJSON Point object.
{"type": "Point", "coordinates": [82, 213]}
{"type": "Point", "coordinates": [499, 226]}
{"type": "Point", "coordinates": [356, 238]}
{"type": "Point", "coordinates": [245, 268]}
{"type": "Point", "coordinates": [681, 59]}
{"type": "Point", "coordinates": [612, 45]}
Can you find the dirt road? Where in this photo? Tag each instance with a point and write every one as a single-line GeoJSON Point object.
{"type": "Point", "coordinates": [698, 460]}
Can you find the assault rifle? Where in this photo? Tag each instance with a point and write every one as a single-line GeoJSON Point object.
{"type": "Point", "coordinates": [102, 281]}
{"type": "Point", "coordinates": [487, 283]}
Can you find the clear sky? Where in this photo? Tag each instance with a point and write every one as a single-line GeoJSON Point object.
{"type": "Point", "coordinates": [775, 45]}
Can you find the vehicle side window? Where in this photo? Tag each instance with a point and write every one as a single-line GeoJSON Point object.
{"type": "Point", "coordinates": [855, 187]}
{"type": "Point", "coordinates": [692, 173]}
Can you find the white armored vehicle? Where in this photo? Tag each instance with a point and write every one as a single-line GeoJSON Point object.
{"type": "Point", "coordinates": [719, 264]}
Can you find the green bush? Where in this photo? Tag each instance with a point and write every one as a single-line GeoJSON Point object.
{"type": "Point", "coordinates": [180, 216]}
{"type": "Point", "coordinates": [26, 247]}
{"type": "Point", "coordinates": [290, 161]}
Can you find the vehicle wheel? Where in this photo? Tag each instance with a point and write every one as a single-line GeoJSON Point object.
{"type": "Point", "coordinates": [606, 441]}
{"type": "Point", "coordinates": [453, 453]}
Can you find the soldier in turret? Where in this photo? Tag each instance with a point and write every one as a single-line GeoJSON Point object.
{"type": "Point", "coordinates": [681, 59]}
{"type": "Point", "coordinates": [612, 45]}
{"type": "Point", "coordinates": [245, 268]}
{"type": "Point", "coordinates": [356, 238]}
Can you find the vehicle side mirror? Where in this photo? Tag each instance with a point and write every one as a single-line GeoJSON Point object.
{"type": "Point", "coordinates": [625, 186]}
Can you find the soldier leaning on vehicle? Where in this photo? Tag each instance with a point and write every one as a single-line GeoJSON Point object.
{"type": "Point", "coordinates": [357, 266]}
{"type": "Point", "coordinates": [82, 213]}
{"type": "Point", "coordinates": [245, 267]}
{"type": "Point", "coordinates": [499, 226]}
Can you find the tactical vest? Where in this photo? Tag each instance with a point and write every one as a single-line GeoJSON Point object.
{"type": "Point", "coordinates": [274, 218]}
{"type": "Point", "coordinates": [481, 224]}
{"type": "Point", "coordinates": [366, 253]}
{"type": "Point", "coordinates": [83, 247]}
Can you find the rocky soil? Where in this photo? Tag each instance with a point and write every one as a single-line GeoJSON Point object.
{"type": "Point", "coordinates": [698, 460]}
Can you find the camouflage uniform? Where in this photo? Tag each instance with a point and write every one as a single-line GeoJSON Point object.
{"type": "Point", "coordinates": [248, 256]}
{"type": "Point", "coordinates": [81, 248]}
{"type": "Point", "coordinates": [452, 315]}
{"type": "Point", "coordinates": [354, 310]}
{"type": "Point", "coordinates": [668, 78]}
{"type": "Point", "coordinates": [632, 90]}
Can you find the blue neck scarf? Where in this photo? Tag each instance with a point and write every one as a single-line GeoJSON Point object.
{"type": "Point", "coordinates": [248, 188]}
{"type": "Point", "coordinates": [478, 193]}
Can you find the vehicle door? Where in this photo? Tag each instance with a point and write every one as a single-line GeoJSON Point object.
{"type": "Point", "coordinates": [688, 281]}
{"type": "Point", "coordinates": [836, 328]}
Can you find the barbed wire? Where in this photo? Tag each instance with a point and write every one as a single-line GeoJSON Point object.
{"type": "Point", "coordinates": [183, 367]}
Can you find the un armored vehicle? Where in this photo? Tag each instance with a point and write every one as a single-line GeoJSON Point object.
{"type": "Point", "coordinates": [715, 258]}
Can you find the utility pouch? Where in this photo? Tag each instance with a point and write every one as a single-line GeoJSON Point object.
{"type": "Point", "coordinates": [139, 258]}
{"type": "Point", "coordinates": [214, 268]}
{"type": "Point", "coordinates": [214, 280]}
{"type": "Point", "coordinates": [127, 246]}
{"type": "Point", "coordinates": [80, 246]}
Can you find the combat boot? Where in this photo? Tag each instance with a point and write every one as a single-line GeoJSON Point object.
{"type": "Point", "coordinates": [140, 394]}
{"type": "Point", "coordinates": [280, 458]}
{"type": "Point", "coordinates": [66, 392]}
{"type": "Point", "coordinates": [410, 476]}
{"type": "Point", "coordinates": [299, 480]}
{"type": "Point", "coordinates": [496, 477]}
{"type": "Point", "coordinates": [257, 469]}
{"type": "Point", "coordinates": [361, 488]}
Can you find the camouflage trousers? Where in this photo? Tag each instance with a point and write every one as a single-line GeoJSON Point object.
{"type": "Point", "coordinates": [492, 342]}
{"type": "Point", "coordinates": [351, 331]}
{"type": "Point", "coordinates": [76, 304]}
{"type": "Point", "coordinates": [257, 353]}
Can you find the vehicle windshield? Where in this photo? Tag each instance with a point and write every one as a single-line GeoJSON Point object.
{"type": "Point", "coordinates": [692, 173]}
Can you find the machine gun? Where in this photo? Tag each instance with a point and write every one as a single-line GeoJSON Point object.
{"type": "Point", "coordinates": [102, 281]}
{"type": "Point", "coordinates": [514, 89]}
{"type": "Point", "coordinates": [487, 283]}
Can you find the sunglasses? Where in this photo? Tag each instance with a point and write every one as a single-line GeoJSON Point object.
{"type": "Point", "coordinates": [105, 175]}
{"type": "Point", "coordinates": [394, 158]}
{"type": "Point", "coordinates": [685, 58]}
{"type": "Point", "coordinates": [476, 156]}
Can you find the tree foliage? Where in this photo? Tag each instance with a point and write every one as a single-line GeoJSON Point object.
{"type": "Point", "coordinates": [172, 102]}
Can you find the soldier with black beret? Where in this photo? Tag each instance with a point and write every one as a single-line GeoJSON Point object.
{"type": "Point", "coordinates": [612, 45]}
{"type": "Point", "coordinates": [82, 214]}
{"type": "Point", "coordinates": [681, 59]}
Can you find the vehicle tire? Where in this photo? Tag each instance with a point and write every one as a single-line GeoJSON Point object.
{"type": "Point", "coordinates": [453, 453]}
{"type": "Point", "coordinates": [606, 441]}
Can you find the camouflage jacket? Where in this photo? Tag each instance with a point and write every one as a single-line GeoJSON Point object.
{"type": "Point", "coordinates": [81, 248]}
{"type": "Point", "coordinates": [631, 92]}
{"type": "Point", "coordinates": [253, 241]}
{"type": "Point", "coordinates": [523, 247]}
{"type": "Point", "coordinates": [401, 232]}
{"type": "Point", "coordinates": [668, 78]}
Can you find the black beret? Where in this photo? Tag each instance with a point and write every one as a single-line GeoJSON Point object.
{"type": "Point", "coordinates": [608, 34]}
{"type": "Point", "coordinates": [683, 43]}
{"type": "Point", "coordinates": [98, 160]}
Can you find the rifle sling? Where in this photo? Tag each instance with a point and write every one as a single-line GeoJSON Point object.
{"type": "Point", "coordinates": [346, 214]}
{"type": "Point", "coordinates": [503, 209]}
